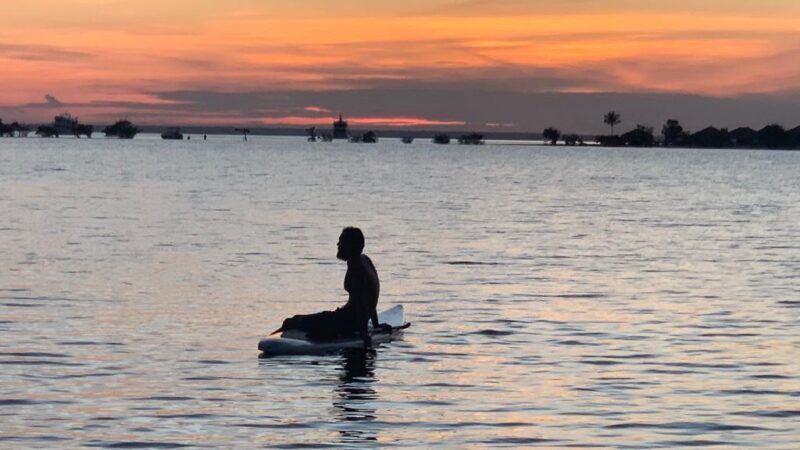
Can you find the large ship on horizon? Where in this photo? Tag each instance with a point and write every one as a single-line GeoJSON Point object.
{"type": "Point", "coordinates": [340, 128]}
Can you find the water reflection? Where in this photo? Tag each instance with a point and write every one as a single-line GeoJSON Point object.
{"type": "Point", "coordinates": [633, 276]}
{"type": "Point", "coordinates": [355, 400]}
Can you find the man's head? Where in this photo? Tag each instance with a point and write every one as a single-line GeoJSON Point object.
{"type": "Point", "coordinates": [351, 243]}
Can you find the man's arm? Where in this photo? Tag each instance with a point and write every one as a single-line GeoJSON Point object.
{"type": "Point", "coordinates": [374, 317]}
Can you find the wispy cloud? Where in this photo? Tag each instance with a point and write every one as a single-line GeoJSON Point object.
{"type": "Point", "coordinates": [40, 53]}
{"type": "Point", "coordinates": [316, 109]}
{"type": "Point", "coordinates": [260, 59]}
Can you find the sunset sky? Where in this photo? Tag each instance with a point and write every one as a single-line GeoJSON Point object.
{"type": "Point", "coordinates": [496, 64]}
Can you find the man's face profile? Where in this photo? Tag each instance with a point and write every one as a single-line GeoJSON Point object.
{"type": "Point", "coordinates": [340, 247]}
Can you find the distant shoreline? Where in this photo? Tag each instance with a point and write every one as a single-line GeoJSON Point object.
{"type": "Point", "coordinates": [507, 138]}
{"type": "Point", "coordinates": [529, 139]}
{"type": "Point", "coordinates": [381, 132]}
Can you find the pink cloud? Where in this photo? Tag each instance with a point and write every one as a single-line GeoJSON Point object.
{"type": "Point", "coordinates": [500, 125]}
{"type": "Point", "coordinates": [361, 121]}
{"type": "Point", "coordinates": [316, 109]}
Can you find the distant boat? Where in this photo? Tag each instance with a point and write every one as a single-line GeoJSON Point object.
{"type": "Point", "coordinates": [441, 139]}
{"type": "Point", "coordinates": [340, 128]}
{"type": "Point", "coordinates": [172, 134]}
{"type": "Point", "coordinates": [369, 137]}
{"type": "Point", "coordinates": [68, 124]}
{"type": "Point", "coordinates": [471, 139]}
{"type": "Point", "coordinates": [408, 139]}
{"type": "Point", "coordinates": [65, 123]}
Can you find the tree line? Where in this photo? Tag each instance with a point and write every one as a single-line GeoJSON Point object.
{"type": "Point", "coordinates": [673, 134]}
{"type": "Point", "coordinates": [66, 124]}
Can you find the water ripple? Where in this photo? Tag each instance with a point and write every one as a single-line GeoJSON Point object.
{"type": "Point", "coordinates": [570, 297]}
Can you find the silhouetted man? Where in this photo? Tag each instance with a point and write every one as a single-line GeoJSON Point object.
{"type": "Point", "coordinates": [361, 283]}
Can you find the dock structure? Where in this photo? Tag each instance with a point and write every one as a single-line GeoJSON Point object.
{"type": "Point", "coordinates": [340, 128]}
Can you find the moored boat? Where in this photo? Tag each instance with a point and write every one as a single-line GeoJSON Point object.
{"type": "Point", "coordinates": [173, 133]}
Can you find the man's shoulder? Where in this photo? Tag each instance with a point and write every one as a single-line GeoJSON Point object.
{"type": "Point", "coordinates": [362, 263]}
{"type": "Point", "coordinates": [368, 262]}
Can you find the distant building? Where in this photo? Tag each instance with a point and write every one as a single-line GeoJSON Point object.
{"type": "Point", "coordinates": [340, 128]}
{"type": "Point", "coordinates": [640, 136]}
{"type": "Point", "coordinates": [794, 135]}
{"type": "Point", "coordinates": [711, 137]}
{"type": "Point", "coordinates": [774, 136]}
{"type": "Point", "coordinates": [744, 137]}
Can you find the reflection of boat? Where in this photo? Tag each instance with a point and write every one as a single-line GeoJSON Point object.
{"type": "Point", "coordinates": [172, 134]}
{"type": "Point", "coordinates": [408, 139]}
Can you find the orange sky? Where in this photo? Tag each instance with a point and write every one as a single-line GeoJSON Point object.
{"type": "Point", "coordinates": [102, 56]}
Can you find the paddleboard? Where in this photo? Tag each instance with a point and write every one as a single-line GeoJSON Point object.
{"type": "Point", "coordinates": [295, 343]}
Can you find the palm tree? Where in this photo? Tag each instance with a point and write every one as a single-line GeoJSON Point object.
{"type": "Point", "coordinates": [673, 133]}
{"type": "Point", "coordinates": [611, 119]}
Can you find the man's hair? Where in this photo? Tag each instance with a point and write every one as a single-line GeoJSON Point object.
{"type": "Point", "coordinates": [355, 237]}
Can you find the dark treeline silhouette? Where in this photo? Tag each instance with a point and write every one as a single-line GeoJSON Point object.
{"type": "Point", "coordinates": [47, 131]}
{"type": "Point", "coordinates": [574, 139]}
{"type": "Point", "coordinates": [641, 136]}
{"type": "Point", "coordinates": [370, 137]}
{"type": "Point", "coordinates": [551, 134]}
{"type": "Point", "coordinates": [66, 124]}
{"type": "Point", "coordinates": [442, 138]}
{"type": "Point", "coordinates": [122, 129]}
{"type": "Point", "coordinates": [472, 139]}
{"type": "Point", "coordinates": [13, 129]}
{"type": "Point", "coordinates": [673, 135]}
{"type": "Point", "coordinates": [61, 125]}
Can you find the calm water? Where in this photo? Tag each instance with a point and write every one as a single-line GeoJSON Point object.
{"type": "Point", "coordinates": [559, 297]}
